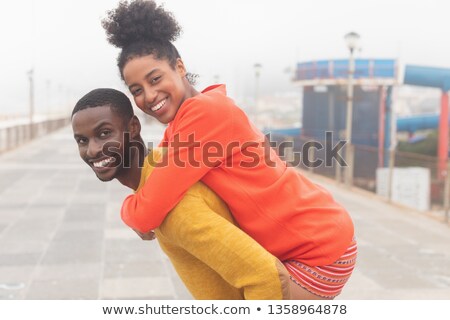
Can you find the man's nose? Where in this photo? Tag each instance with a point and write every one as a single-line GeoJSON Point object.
{"type": "Point", "coordinates": [94, 149]}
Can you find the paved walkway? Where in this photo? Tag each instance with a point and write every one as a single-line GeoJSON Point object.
{"type": "Point", "coordinates": [61, 237]}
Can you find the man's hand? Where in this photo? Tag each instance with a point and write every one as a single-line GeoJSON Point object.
{"type": "Point", "coordinates": [146, 236]}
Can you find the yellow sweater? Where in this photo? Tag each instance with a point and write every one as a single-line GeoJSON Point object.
{"type": "Point", "coordinates": [213, 257]}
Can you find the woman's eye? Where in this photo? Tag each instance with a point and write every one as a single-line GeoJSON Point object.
{"type": "Point", "coordinates": [136, 92]}
{"type": "Point", "coordinates": [156, 79]}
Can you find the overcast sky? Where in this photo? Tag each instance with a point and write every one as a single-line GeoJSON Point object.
{"type": "Point", "coordinates": [65, 44]}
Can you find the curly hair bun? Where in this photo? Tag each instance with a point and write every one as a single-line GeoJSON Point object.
{"type": "Point", "coordinates": [139, 20]}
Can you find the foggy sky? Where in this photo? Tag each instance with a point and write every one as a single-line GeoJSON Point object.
{"type": "Point", "coordinates": [65, 44]}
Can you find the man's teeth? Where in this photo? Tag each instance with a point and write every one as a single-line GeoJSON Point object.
{"type": "Point", "coordinates": [159, 105]}
{"type": "Point", "coordinates": [103, 163]}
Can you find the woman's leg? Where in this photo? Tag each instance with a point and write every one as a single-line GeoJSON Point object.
{"type": "Point", "coordinates": [299, 293]}
{"type": "Point", "coordinates": [321, 282]}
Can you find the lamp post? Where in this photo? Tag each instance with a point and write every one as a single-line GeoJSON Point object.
{"type": "Point", "coordinates": [47, 98]}
{"type": "Point", "coordinates": [352, 40]}
{"type": "Point", "coordinates": [31, 102]}
{"type": "Point", "coordinates": [257, 67]}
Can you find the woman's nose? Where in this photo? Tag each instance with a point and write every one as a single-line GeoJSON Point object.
{"type": "Point", "coordinates": [150, 97]}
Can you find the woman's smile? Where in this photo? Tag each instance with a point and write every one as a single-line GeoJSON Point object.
{"type": "Point", "coordinates": [158, 88]}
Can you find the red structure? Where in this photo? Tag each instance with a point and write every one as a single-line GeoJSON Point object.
{"type": "Point", "coordinates": [443, 136]}
{"type": "Point", "coordinates": [435, 78]}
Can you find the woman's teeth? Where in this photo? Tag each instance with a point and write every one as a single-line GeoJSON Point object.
{"type": "Point", "coordinates": [103, 162]}
{"type": "Point", "coordinates": [159, 105]}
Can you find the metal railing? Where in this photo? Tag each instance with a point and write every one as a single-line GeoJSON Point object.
{"type": "Point", "coordinates": [366, 161]}
{"type": "Point", "coordinates": [335, 69]}
{"type": "Point", "coordinates": [16, 133]}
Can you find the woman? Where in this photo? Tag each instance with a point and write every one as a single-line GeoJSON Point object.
{"type": "Point", "coordinates": [291, 217]}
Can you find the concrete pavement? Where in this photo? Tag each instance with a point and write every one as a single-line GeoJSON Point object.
{"type": "Point", "coordinates": [61, 237]}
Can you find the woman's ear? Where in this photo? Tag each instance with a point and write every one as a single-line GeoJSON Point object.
{"type": "Point", "coordinates": [180, 68]}
{"type": "Point", "coordinates": [135, 127]}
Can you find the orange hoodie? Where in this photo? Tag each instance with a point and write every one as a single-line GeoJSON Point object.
{"type": "Point", "coordinates": [212, 140]}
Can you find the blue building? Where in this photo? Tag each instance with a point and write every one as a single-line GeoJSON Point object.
{"type": "Point", "coordinates": [325, 99]}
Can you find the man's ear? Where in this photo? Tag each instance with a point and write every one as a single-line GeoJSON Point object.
{"type": "Point", "coordinates": [135, 127]}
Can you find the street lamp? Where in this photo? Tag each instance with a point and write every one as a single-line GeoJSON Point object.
{"type": "Point", "coordinates": [352, 40]}
{"type": "Point", "coordinates": [257, 67]}
{"type": "Point", "coordinates": [30, 75]}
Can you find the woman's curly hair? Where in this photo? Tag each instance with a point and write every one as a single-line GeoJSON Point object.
{"type": "Point", "coordinates": [142, 28]}
{"type": "Point", "coordinates": [139, 20]}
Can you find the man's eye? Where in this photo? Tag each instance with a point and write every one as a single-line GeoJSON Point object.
{"type": "Point", "coordinates": [105, 133]}
{"type": "Point", "coordinates": [81, 140]}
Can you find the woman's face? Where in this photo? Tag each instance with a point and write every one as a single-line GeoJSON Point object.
{"type": "Point", "coordinates": [157, 88]}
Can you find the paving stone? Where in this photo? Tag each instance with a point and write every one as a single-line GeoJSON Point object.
{"type": "Point", "coordinates": [49, 199]}
{"type": "Point", "coordinates": [61, 237]}
{"type": "Point", "coordinates": [71, 233]}
{"type": "Point", "coordinates": [12, 294]}
{"type": "Point", "coordinates": [19, 259]}
{"type": "Point", "coordinates": [22, 246]}
{"type": "Point", "coordinates": [72, 252]}
{"type": "Point", "coordinates": [131, 270]}
{"type": "Point", "coordinates": [15, 275]}
{"type": "Point", "coordinates": [72, 271]}
{"type": "Point", "coordinates": [136, 288]}
{"type": "Point", "coordinates": [40, 230]}
{"type": "Point", "coordinates": [79, 289]}
{"type": "Point", "coordinates": [131, 251]}
{"type": "Point", "coordinates": [3, 226]}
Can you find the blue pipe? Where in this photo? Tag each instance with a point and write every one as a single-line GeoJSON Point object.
{"type": "Point", "coordinates": [419, 122]}
{"type": "Point", "coordinates": [404, 124]}
{"type": "Point", "coordinates": [428, 77]}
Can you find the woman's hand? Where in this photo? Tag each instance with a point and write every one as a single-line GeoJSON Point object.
{"type": "Point", "coordinates": [146, 236]}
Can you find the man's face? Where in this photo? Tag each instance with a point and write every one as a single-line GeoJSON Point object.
{"type": "Point", "coordinates": [99, 133]}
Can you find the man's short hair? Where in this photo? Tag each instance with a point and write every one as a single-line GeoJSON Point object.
{"type": "Point", "coordinates": [117, 100]}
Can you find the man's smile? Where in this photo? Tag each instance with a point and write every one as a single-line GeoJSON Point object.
{"type": "Point", "coordinates": [103, 162]}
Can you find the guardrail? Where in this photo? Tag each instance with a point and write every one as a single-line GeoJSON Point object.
{"type": "Point", "coordinates": [14, 134]}
{"type": "Point", "coordinates": [366, 164]}
{"type": "Point", "coordinates": [338, 69]}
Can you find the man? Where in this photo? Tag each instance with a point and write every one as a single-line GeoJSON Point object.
{"type": "Point", "coordinates": [213, 257]}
